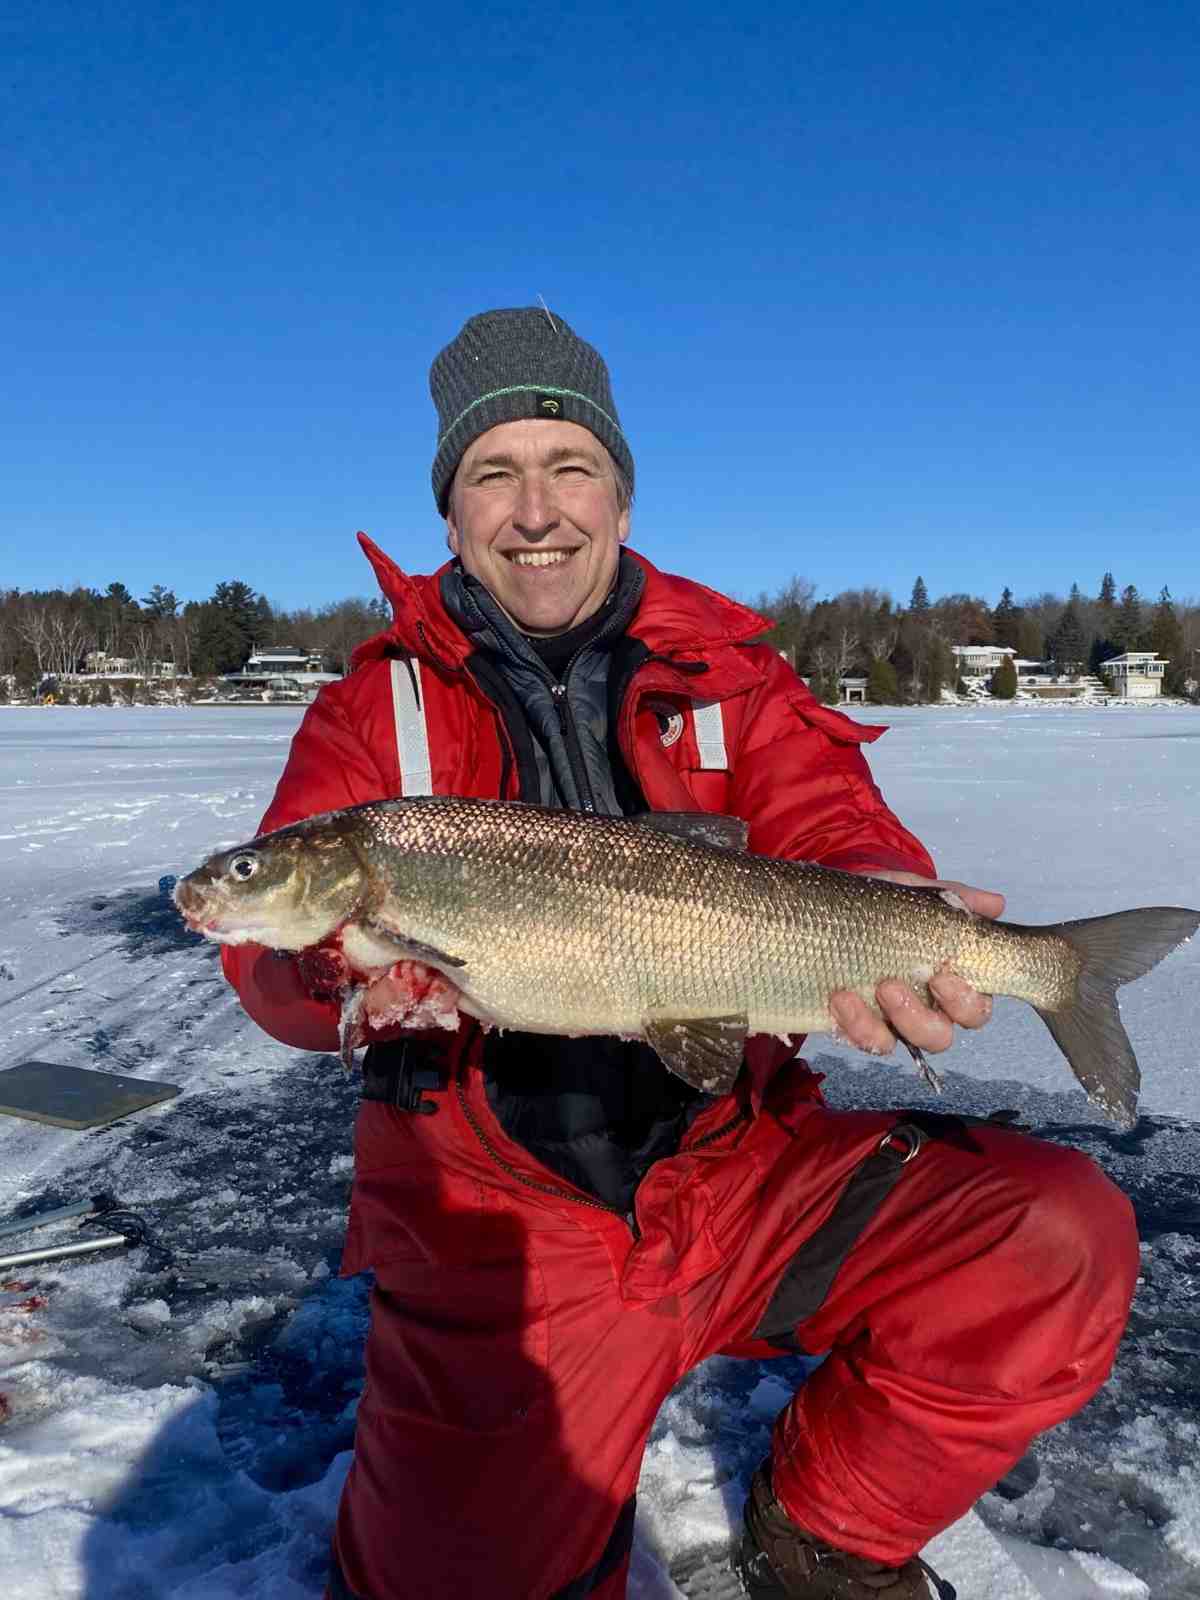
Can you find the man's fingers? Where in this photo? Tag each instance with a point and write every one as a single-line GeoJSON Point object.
{"type": "Point", "coordinates": [911, 1019]}
{"type": "Point", "coordinates": [983, 902]}
{"type": "Point", "coordinates": [859, 1025]}
{"type": "Point", "coordinates": [962, 1004]}
{"type": "Point", "coordinates": [906, 1016]}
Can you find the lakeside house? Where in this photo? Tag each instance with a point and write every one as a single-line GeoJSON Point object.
{"type": "Point", "coordinates": [99, 664]}
{"type": "Point", "coordinates": [979, 660]}
{"type": "Point", "coordinates": [1136, 675]}
{"type": "Point", "coordinates": [280, 672]}
{"type": "Point", "coordinates": [285, 658]}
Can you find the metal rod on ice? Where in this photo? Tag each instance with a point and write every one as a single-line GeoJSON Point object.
{"type": "Point", "coordinates": [61, 1252]}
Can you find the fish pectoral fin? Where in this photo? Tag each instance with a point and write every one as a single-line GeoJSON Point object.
{"type": "Point", "coordinates": [432, 956]}
{"type": "Point", "coordinates": [698, 827]}
{"type": "Point", "coordinates": [706, 1052]}
{"type": "Point", "coordinates": [414, 950]}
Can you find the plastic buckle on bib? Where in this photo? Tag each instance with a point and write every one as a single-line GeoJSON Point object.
{"type": "Point", "coordinates": [405, 1084]}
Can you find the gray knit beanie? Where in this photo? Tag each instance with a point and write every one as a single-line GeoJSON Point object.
{"type": "Point", "coordinates": [507, 365]}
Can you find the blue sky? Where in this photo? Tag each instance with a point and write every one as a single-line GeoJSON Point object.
{"type": "Point", "coordinates": [885, 288]}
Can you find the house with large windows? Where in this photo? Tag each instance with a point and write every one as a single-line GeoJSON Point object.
{"type": "Point", "coordinates": [280, 672]}
{"type": "Point", "coordinates": [979, 660]}
{"type": "Point", "coordinates": [1136, 675]}
{"type": "Point", "coordinates": [284, 658]}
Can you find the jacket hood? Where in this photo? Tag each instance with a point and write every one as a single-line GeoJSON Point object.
{"type": "Point", "coordinates": [676, 617]}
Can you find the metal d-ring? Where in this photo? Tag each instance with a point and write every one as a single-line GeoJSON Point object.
{"type": "Point", "coordinates": [910, 1139]}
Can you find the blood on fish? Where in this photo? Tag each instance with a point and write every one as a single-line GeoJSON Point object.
{"type": "Point", "coordinates": [409, 995]}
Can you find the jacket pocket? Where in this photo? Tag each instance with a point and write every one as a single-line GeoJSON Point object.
{"type": "Point", "coordinates": [845, 759]}
{"type": "Point", "coordinates": [692, 1212]}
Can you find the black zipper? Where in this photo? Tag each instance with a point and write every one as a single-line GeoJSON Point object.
{"type": "Point", "coordinates": [566, 717]}
{"type": "Point", "coordinates": [743, 1115]}
{"type": "Point", "coordinates": [519, 1177]}
{"type": "Point", "coordinates": [570, 733]}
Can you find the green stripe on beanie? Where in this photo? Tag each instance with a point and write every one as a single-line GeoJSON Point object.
{"type": "Point", "coordinates": [498, 369]}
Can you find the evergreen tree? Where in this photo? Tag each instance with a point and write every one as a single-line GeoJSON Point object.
{"type": "Point", "coordinates": [882, 686]}
{"type": "Point", "coordinates": [1068, 637]}
{"type": "Point", "coordinates": [118, 612]}
{"type": "Point", "coordinates": [160, 604]}
{"type": "Point", "coordinates": [940, 669]}
{"type": "Point", "coordinates": [1102, 650]}
{"type": "Point", "coordinates": [1127, 623]}
{"type": "Point", "coordinates": [1108, 593]}
{"type": "Point", "coordinates": [1003, 682]}
{"type": "Point", "coordinates": [903, 657]}
{"type": "Point", "coordinates": [827, 688]}
{"type": "Point", "coordinates": [919, 604]}
{"type": "Point", "coordinates": [228, 626]}
{"type": "Point", "coordinates": [1006, 619]}
{"type": "Point", "coordinates": [1166, 639]}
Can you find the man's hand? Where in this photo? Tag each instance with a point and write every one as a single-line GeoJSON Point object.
{"type": "Point", "coordinates": [905, 1016]}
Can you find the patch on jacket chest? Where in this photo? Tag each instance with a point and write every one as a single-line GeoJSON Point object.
{"type": "Point", "coordinates": [670, 721]}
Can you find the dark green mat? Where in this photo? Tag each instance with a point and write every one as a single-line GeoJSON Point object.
{"type": "Point", "coordinates": [75, 1097]}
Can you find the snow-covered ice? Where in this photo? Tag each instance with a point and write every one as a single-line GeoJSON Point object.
{"type": "Point", "coordinates": [183, 1428]}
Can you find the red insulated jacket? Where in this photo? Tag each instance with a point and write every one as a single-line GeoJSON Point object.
{"type": "Point", "coordinates": [794, 770]}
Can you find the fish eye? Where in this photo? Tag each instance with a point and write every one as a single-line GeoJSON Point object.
{"type": "Point", "coordinates": [243, 866]}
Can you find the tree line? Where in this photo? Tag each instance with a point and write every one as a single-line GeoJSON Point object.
{"type": "Point", "coordinates": [52, 632]}
{"type": "Point", "coordinates": [905, 653]}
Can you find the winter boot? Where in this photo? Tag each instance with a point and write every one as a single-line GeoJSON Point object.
{"type": "Point", "coordinates": [779, 1560]}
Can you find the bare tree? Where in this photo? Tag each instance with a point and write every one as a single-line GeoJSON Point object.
{"type": "Point", "coordinates": [823, 658]}
{"type": "Point", "coordinates": [882, 642]}
{"type": "Point", "coordinates": [184, 631]}
{"type": "Point", "coordinates": [142, 640]}
{"type": "Point", "coordinates": [34, 628]}
{"type": "Point", "coordinates": [845, 650]}
{"type": "Point", "coordinates": [66, 637]}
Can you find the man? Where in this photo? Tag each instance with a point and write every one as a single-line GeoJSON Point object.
{"type": "Point", "coordinates": [559, 1228]}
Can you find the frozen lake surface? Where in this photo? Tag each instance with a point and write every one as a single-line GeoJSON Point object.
{"type": "Point", "coordinates": [182, 1429]}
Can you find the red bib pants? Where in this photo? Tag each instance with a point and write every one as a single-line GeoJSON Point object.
{"type": "Point", "coordinates": [524, 1336]}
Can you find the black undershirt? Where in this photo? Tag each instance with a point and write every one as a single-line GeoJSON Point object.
{"type": "Point", "coordinates": [555, 651]}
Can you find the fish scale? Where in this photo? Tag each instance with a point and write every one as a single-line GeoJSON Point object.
{"type": "Point", "coordinates": [662, 927]}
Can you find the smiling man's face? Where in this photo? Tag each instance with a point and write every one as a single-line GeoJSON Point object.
{"type": "Point", "coordinates": [535, 516]}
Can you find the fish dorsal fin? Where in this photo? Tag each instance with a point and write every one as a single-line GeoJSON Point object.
{"type": "Point", "coordinates": [699, 827]}
{"type": "Point", "coordinates": [704, 1051]}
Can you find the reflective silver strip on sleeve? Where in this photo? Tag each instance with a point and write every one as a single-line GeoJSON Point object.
{"type": "Point", "coordinates": [710, 734]}
{"type": "Point", "coordinates": [412, 736]}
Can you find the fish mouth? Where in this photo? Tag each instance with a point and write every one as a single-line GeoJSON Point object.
{"type": "Point", "coordinates": [242, 933]}
{"type": "Point", "coordinates": [216, 926]}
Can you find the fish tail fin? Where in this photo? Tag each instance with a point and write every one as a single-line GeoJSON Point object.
{"type": "Point", "coordinates": [1088, 1030]}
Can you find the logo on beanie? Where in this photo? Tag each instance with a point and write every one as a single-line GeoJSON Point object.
{"type": "Point", "coordinates": [549, 405]}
